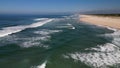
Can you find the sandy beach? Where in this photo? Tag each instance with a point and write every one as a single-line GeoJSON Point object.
{"type": "Point", "coordinates": [113, 22]}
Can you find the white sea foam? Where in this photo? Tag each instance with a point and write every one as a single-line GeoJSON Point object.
{"type": "Point", "coordinates": [101, 56]}
{"type": "Point", "coordinates": [38, 19]}
{"type": "Point", "coordinates": [111, 28]}
{"type": "Point", "coordinates": [44, 36]}
{"type": "Point", "coordinates": [69, 26]}
{"type": "Point", "coordinates": [104, 56]}
{"type": "Point", "coordinates": [73, 27]}
{"type": "Point", "coordinates": [115, 36]}
{"type": "Point", "coordinates": [34, 41]}
{"type": "Point", "coordinates": [47, 32]}
{"type": "Point", "coordinates": [10, 30]}
{"type": "Point", "coordinates": [42, 65]}
{"type": "Point", "coordinates": [14, 29]}
{"type": "Point", "coordinates": [41, 36]}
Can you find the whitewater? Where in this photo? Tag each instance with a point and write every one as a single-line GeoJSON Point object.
{"type": "Point", "coordinates": [14, 29]}
{"type": "Point", "coordinates": [101, 56]}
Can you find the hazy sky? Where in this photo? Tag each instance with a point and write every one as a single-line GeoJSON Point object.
{"type": "Point", "coordinates": [51, 6]}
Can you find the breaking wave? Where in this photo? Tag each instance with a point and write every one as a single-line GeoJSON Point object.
{"type": "Point", "coordinates": [101, 56]}
{"type": "Point", "coordinates": [43, 65]}
{"type": "Point", "coordinates": [14, 29]}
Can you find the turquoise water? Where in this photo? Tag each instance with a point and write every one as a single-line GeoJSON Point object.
{"type": "Point", "coordinates": [51, 45]}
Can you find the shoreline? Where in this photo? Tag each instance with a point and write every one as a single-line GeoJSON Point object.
{"type": "Point", "coordinates": [107, 21]}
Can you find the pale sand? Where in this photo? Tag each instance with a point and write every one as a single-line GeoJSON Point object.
{"type": "Point", "coordinates": [113, 22]}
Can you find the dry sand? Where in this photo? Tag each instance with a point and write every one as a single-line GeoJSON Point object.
{"type": "Point", "coordinates": [113, 22]}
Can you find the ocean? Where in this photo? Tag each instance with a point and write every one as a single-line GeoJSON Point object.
{"type": "Point", "coordinates": [57, 41]}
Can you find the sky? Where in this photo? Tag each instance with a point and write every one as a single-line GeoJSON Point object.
{"type": "Point", "coordinates": [55, 6]}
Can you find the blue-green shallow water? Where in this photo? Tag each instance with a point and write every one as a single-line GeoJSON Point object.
{"type": "Point", "coordinates": [23, 50]}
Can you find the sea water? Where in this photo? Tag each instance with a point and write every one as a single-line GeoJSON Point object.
{"type": "Point", "coordinates": [56, 42]}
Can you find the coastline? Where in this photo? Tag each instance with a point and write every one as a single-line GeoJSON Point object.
{"type": "Point", "coordinates": [113, 22]}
